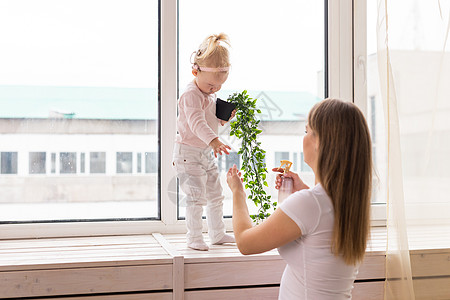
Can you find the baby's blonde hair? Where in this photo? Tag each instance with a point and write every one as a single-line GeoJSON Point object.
{"type": "Point", "coordinates": [212, 53]}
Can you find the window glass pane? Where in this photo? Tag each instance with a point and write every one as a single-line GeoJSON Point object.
{"type": "Point", "coordinates": [124, 162]}
{"type": "Point", "coordinates": [68, 162]}
{"type": "Point", "coordinates": [37, 162]}
{"type": "Point", "coordinates": [139, 162]}
{"type": "Point", "coordinates": [150, 162]}
{"type": "Point", "coordinates": [277, 55]}
{"type": "Point", "coordinates": [53, 162]}
{"type": "Point", "coordinates": [9, 162]}
{"type": "Point", "coordinates": [78, 96]}
{"type": "Point", "coordinates": [294, 162]}
{"type": "Point", "coordinates": [97, 162]}
{"type": "Point", "coordinates": [279, 156]}
{"type": "Point", "coordinates": [83, 163]}
{"type": "Point", "coordinates": [232, 159]}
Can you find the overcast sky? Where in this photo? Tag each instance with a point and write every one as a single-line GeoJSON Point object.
{"type": "Point", "coordinates": [78, 43]}
{"type": "Point", "coordinates": [276, 45]}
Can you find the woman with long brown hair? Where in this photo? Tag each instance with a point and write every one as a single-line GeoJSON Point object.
{"type": "Point", "coordinates": [321, 232]}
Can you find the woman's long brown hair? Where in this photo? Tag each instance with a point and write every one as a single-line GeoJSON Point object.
{"type": "Point", "coordinates": [344, 168]}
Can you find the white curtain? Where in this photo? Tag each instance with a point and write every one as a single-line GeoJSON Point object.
{"type": "Point", "coordinates": [414, 78]}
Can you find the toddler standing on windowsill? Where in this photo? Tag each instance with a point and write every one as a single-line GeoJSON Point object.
{"type": "Point", "coordinates": [197, 140]}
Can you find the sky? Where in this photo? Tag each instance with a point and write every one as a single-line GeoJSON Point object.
{"type": "Point", "coordinates": [275, 45]}
{"type": "Point", "coordinates": [78, 43]}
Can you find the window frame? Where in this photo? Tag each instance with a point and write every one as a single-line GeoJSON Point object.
{"type": "Point", "coordinates": [359, 68]}
{"type": "Point", "coordinates": [345, 71]}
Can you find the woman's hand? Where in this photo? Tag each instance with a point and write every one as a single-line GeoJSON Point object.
{"type": "Point", "coordinates": [298, 183]}
{"type": "Point", "coordinates": [234, 179]}
{"type": "Point", "coordinates": [278, 230]}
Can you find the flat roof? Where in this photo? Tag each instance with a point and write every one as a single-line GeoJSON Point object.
{"type": "Point", "coordinates": [113, 103]}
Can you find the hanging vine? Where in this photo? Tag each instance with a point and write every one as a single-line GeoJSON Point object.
{"type": "Point", "coordinates": [245, 128]}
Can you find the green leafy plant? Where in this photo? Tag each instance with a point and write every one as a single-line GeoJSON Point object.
{"type": "Point", "coordinates": [245, 128]}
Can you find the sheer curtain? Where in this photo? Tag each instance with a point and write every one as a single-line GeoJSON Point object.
{"type": "Point", "coordinates": [414, 77]}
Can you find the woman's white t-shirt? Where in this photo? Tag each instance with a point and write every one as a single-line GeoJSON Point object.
{"type": "Point", "coordinates": [313, 271]}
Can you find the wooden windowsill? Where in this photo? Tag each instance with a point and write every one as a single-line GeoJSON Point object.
{"type": "Point", "coordinates": [76, 252]}
{"type": "Point", "coordinates": [163, 266]}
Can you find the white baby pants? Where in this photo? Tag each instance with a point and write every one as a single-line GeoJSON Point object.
{"type": "Point", "coordinates": [199, 180]}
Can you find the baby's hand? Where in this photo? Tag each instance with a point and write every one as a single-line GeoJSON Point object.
{"type": "Point", "coordinates": [218, 147]}
{"type": "Point", "coordinates": [233, 113]}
